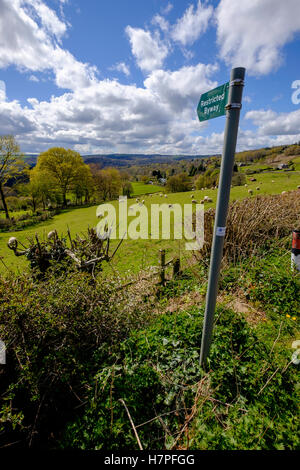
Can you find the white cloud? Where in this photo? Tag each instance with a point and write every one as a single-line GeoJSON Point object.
{"type": "Point", "coordinates": [33, 78]}
{"type": "Point", "coordinates": [183, 87]}
{"type": "Point", "coordinates": [32, 46]}
{"type": "Point", "coordinates": [247, 99]}
{"type": "Point", "coordinates": [105, 116]}
{"type": "Point", "coordinates": [2, 91]}
{"type": "Point", "coordinates": [148, 49]}
{"type": "Point", "coordinates": [167, 9]}
{"type": "Point", "coordinates": [252, 33]}
{"type": "Point", "coordinates": [48, 17]}
{"type": "Point", "coordinates": [161, 22]}
{"type": "Point", "coordinates": [271, 123]}
{"type": "Point", "coordinates": [121, 67]}
{"type": "Point", "coordinates": [108, 116]}
{"type": "Point", "coordinates": [192, 24]}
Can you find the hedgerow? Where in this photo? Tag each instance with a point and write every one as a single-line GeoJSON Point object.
{"type": "Point", "coordinates": [57, 332]}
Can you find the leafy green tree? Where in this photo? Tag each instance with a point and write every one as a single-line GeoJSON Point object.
{"type": "Point", "coordinates": [63, 167]}
{"type": "Point", "coordinates": [127, 189]}
{"type": "Point", "coordinates": [178, 183]}
{"type": "Point", "coordinates": [40, 189]}
{"type": "Point", "coordinates": [108, 183]}
{"type": "Point", "coordinates": [84, 185]}
{"type": "Point", "coordinates": [11, 164]}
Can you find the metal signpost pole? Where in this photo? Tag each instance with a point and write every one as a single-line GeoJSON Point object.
{"type": "Point", "coordinates": [230, 137]}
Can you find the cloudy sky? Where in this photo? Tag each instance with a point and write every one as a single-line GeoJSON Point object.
{"type": "Point", "coordinates": [114, 76]}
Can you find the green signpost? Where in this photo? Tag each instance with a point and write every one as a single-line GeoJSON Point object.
{"type": "Point", "coordinates": [212, 104]}
{"type": "Point", "coordinates": [227, 99]}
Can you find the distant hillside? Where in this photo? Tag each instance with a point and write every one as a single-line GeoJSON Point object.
{"type": "Point", "coordinates": [122, 160]}
{"type": "Point", "coordinates": [126, 160]}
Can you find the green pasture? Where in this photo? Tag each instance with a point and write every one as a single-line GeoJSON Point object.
{"type": "Point", "coordinates": [136, 254]}
{"type": "Point", "coordinates": [142, 188]}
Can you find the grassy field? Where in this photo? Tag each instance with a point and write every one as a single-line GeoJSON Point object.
{"type": "Point", "coordinates": [142, 188]}
{"type": "Point", "coordinates": [134, 255]}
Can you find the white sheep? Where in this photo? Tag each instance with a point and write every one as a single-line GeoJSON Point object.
{"type": "Point", "coordinates": [250, 191]}
{"type": "Point", "coordinates": [258, 188]}
{"type": "Point", "coordinates": [194, 201]}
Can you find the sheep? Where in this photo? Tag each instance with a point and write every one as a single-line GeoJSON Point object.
{"type": "Point", "coordinates": [143, 201]}
{"type": "Point", "coordinates": [298, 187]}
{"type": "Point", "coordinates": [209, 199]}
{"type": "Point", "coordinates": [194, 201]}
{"type": "Point", "coordinates": [283, 192]}
{"type": "Point", "coordinates": [192, 196]}
{"type": "Point", "coordinates": [202, 202]}
{"type": "Point", "coordinates": [137, 199]}
{"type": "Point", "coordinates": [258, 188]}
{"type": "Point", "coordinates": [166, 195]}
{"type": "Point", "coordinates": [246, 186]}
{"type": "Point", "coordinates": [250, 191]}
{"type": "Point", "coordinates": [206, 197]}
{"type": "Point", "coordinates": [170, 205]}
{"type": "Point", "coordinates": [252, 179]}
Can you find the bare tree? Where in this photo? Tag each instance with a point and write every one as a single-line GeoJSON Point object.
{"type": "Point", "coordinates": [10, 164]}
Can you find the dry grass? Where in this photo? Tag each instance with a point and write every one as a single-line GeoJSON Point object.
{"type": "Point", "coordinates": [252, 223]}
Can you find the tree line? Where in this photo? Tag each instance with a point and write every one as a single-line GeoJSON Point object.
{"type": "Point", "coordinates": [58, 175]}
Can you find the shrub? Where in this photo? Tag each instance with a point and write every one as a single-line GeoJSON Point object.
{"type": "Point", "coordinates": [253, 223]}
{"type": "Point", "coordinates": [238, 179]}
{"type": "Point", "coordinates": [57, 333]}
{"type": "Point", "coordinates": [178, 183]}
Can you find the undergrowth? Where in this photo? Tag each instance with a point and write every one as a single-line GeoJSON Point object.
{"type": "Point", "coordinates": [174, 403]}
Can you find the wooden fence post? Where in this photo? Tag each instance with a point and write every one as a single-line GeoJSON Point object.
{"type": "Point", "coordinates": [162, 262]}
{"type": "Point", "coordinates": [176, 266]}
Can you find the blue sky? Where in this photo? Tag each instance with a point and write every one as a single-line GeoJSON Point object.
{"type": "Point", "coordinates": [126, 75]}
